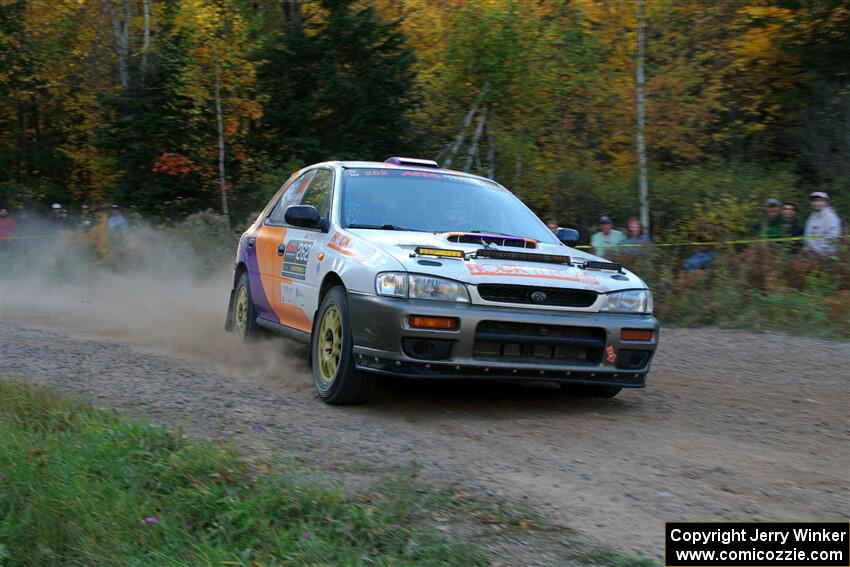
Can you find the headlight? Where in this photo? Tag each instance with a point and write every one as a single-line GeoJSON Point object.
{"type": "Point", "coordinates": [392, 283]}
{"type": "Point", "coordinates": [418, 286]}
{"type": "Point", "coordinates": [631, 301]}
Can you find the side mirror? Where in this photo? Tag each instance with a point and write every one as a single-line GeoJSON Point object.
{"type": "Point", "coordinates": [305, 216]}
{"type": "Point", "coordinates": [568, 236]}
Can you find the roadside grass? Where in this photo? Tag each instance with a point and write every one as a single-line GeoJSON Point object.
{"type": "Point", "coordinates": [81, 486]}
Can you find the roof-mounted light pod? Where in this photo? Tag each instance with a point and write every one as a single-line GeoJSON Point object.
{"type": "Point", "coordinates": [412, 161]}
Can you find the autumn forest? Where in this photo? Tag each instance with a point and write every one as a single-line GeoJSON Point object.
{"type": "Point", "coordinates": [169, 107]}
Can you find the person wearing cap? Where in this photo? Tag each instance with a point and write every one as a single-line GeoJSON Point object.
{"type": "Point", "coordinates": [606, 238]}
{"type": "Point", "coordinates": [823, 226]}
{"type": "Point", "coordinates": [116, 222]}
{"type": "Point", "coordinates": [59, 220]}
{"type": "Point", "coordinates": [772, 225]}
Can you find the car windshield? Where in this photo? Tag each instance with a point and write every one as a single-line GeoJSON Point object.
{"type": "Point", "coordinates": [399, 199]}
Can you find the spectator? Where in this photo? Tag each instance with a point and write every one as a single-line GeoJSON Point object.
{"type": "Point", "coordinates": [116, 222]}
{"type": "Point", "coordinates": [606, 238]}
{"type": "Point", "coordinates": [823, 226]}
{"type": "Point", "coordinates": [87, 218]}
{"type": "Point", "coordinates": [635, 236]}
{"type": "Point", "coordinates": [553, 225]}
{"type": "Point", "coordinates": [702, 260]}
{"type": "Point", "coordinates": [7, 225]}
{"type": "Point", "coordinates": [59, 220]}
{"type": "Point", "coordinates": [789, 216]}
{"type": "Point", "coordinates": [772, 224]}
{"type": "Point", "coordinates": [22, 218]}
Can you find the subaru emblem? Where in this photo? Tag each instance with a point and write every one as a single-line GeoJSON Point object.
{"type": "Point", "coordinates": [538, 297]}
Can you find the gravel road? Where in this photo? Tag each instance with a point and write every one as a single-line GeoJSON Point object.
{"type": "Point", "coordinates": [733, 425]}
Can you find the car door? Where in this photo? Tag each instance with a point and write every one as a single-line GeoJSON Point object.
{"type": "Point", "coordinates": [270, 252]}
{"type": "Point", "coordinates": [300, 273]}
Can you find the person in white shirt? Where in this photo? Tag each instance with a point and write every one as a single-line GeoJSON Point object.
{"type": "Point", "coordinates": [823, 226]}
{"type": "Point", "coordinates": [606, 238]}
{"type": "Point", "coordinates": [116, 222]}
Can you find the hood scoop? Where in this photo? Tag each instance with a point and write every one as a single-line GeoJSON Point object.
{"type": "Point", "coordinates": [485, 239]}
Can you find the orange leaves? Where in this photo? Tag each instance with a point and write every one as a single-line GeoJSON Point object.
{"type": "Point", "coordinates": [174, 164]}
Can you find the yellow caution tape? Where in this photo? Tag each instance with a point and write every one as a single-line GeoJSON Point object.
{"type": "Point", "coordinates": [713, 242]}
{"type": "Point", "coordinates": [35, 236]}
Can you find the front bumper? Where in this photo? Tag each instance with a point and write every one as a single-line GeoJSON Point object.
{"type": "Point", "coordinates": [380, 325]}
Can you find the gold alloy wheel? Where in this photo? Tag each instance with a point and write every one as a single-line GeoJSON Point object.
{"type": "Point", "coordinates": [330, 344]}
{"type": "Point", "coordinates": [241, 314]}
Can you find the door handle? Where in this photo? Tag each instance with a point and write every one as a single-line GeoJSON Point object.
{"type": "Point", "coordinates": [251, 242]}
{"type": "Point", "coordinates": [281, 250]}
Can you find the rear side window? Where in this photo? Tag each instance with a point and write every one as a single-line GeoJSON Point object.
{"type": "Point", "coordinates": [290, 197]}
{"type": "Point", "coordinates": [319, 192]}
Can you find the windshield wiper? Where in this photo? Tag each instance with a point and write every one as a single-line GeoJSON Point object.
{"type": "Point", "coordinates": [383, 227]}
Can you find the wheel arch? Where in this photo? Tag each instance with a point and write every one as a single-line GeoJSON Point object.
{"type": "Point", "coordinates": [331, 279]}
{"type": "Point", "coordinates": [241, 268]}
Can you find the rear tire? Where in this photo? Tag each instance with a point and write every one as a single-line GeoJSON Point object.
{"type": "Point", "coordinates": [590, 390]}
{"type": "Point", "coordinates": [335, 376]}
{"type": "Point", "coordinates": [244, 315]}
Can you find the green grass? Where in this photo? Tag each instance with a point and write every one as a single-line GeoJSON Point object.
{"type": "Point", "coordinates": [81, 486]}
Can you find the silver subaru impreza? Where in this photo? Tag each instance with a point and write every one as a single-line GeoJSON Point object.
{"type": "Point", "coordinates": [403, 268]}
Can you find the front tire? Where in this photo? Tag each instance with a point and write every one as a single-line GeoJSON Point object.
{"type": "Point", "coordinates": [244, 315]}
{"type": "Point", "coordinates": [335, 376]}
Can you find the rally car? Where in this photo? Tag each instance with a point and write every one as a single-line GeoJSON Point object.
{"type": "Point", "coordinates": [403, 268]}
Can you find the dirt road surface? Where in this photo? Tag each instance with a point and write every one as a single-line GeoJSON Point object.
{"type": "Point", "coordinates": [733, 425]}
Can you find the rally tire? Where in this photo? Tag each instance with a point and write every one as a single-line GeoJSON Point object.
{"type": "Point", "coordinates": [244, 315]}
{"type": "Point", "coordinates": [337, 380]}
{"type": "Point", "coordinates": [591, 390]}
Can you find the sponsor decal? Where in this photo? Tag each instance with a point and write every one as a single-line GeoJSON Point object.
{"type": "Point", "coordinates": [421, 174]}
{"type": "Point", "coordinates": [292, 295]}
{"type": "Point", "coordinates": [502, 270]}
{"type": "Point", "coordinates": [295, 259]}
{"type": "Point", "coordinates": [611, 355]}
{"type": "Point", "coordinates": [340, 243]}
{"type": "Point", "coordinates": [357, 251]}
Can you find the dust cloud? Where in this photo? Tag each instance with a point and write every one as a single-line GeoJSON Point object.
{"type": "Point", "coordinates": [162, 289]}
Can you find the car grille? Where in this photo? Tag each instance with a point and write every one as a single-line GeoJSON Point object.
{"type": "Point", "coordinates": [526, 342]}
{"type": "Point", "coordinates": [524, 294]}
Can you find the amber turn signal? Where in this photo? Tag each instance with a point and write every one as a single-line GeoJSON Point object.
{"type": "Point", "coordinates": [636, 335]}
{"type": "Point", "coordinates": [444, 323]}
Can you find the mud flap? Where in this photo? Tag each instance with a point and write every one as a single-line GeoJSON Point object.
{"type": "Point", "coordinates": [228, 321]}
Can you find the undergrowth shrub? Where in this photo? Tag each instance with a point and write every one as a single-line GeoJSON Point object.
{"type": "Point", "coordinates": [764, 286]}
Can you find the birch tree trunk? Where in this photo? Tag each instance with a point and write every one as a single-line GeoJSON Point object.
{"type": "Point", "coordinates": [146, 42]}
{"type": "Point", "coordinates": [121, 37]}
{"type": "Point", "coordinates": [466, 122]}
{"type": "Point", "coordinates": [473, 147]}
{"type": "Point", "coordinates": [641, 144]}
{"type": "Point", "coordinates": [219, 116]}
{"type": "Point", "coordinates": [491, 146]}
